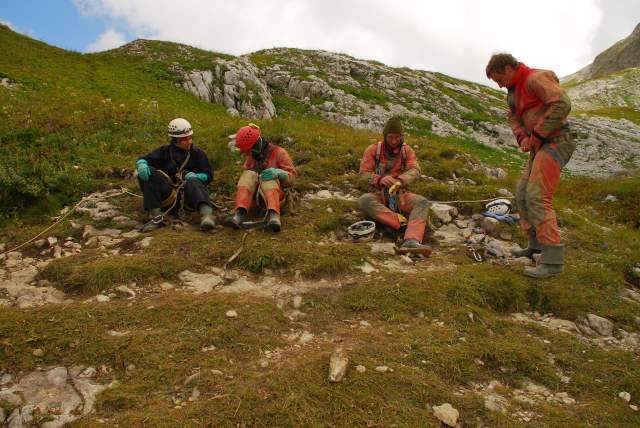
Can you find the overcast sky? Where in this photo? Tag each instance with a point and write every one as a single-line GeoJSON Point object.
{"type": "Point", "coordinates": [455, 37]}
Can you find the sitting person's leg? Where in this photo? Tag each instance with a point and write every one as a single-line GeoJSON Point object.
{"type": "Point", "coordinates": [157, 195]}
{"type": "Point", "coordinates": [417, 208]}
{"type": "Point", "coordinates": [273, 197]}
{"type": "Point", "coordinates": [371, 205]}
{"type": "Point", "coordinates": [196, 196]}
{"type": "Point", "coordinates": [247, 185]}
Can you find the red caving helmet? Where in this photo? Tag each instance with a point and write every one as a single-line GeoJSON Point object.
{"type": "Point", "coordinates": [247, 136]}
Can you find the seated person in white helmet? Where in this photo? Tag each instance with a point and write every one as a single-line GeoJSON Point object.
{"type": "Point", "coordinates": [174, 174]}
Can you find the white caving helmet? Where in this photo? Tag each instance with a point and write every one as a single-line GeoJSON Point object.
{"type": "Point", "coordinates": [499, 206]}
{"type": "Point", "coordinates": [361, 230]}
{"type": "Point", "coordinates": [179, 128]}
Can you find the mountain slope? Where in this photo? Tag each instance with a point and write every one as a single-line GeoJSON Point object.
{"type": "Point", "coordinates": [623, 54]}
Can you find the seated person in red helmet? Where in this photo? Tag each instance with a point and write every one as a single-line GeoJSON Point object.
{"type": "Point", "coordinates": [161, 170]}
{"type": "Point", "coordinates": [391, 164]}
{"type": "Point", "coordinates": [268, 169]}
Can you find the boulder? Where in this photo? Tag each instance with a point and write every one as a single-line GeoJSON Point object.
{"type": "Point", "coordinates": [446, 414]}
{"type": "Point", "coordinates": [338, 363]}
{"type": "Point", "coordinates": [443, 212]}
{"type": "Point", "coordinates": [594, 325]}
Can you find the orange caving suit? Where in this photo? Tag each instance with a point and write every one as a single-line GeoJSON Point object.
{"type": "Point", "coordinates": [271, 192]}
{"type": "Point", "coordinates": [375, 204]}
{"type": "Point", "coordinates": [539, 107]}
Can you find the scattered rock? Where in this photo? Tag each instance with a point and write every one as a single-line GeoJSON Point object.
{"type": "Point", "coordinates": [145, 242]}
{"type": "Point", "coordinates": [496, 403]}
{"type": "Point", "coordinates": [461, 224]}
{"type": "Point", "coordinates": [5, 379]}
{"type": "Point", "coordinates": [166, 286]}
{"type": "Point", "coordinates": [609, 199]}
{"type": "Point", "coordinates": [382, 369]}
{"type": "Point", "coordinates": [38, 352]}
{"type": "Point", "coordinates": [338, 363]}
{"type": "Point", "coordinates": [231, 314]}
{"type": "Point", "coordinates": [199, 282]}
{"type": "Point", "coordinates": [361, 369]}
{"type": "Point", "coordinates": [505, 192]}
{"type": "Point", "coordinates": [58, 392]}
{"type": "Point", "coordinates": [126, 291]}
{"type": "Point", "coordinates": [297, 301]}
{"type": "Point", "coordinates": [367, 268]}
{"type": "Point", "coordinates": [208, 348]}
{"type": "Point", "coordinates": [446, 414]}
{"type": "Point", "coordinates": [490, 225]}
{"type": "Point", "coordinates": [406, 259]}
{"type": "Point", "coordinates": [387, 248]}
{"type": "Point", "coordinates": [631, 294]}
{"type": "Point", "coordinates": [443, 212]}
{"type": "Point", "coordinates": [625, 396]}
{"type": "Point", "coordinates": [305, 337]}
{"type": "Point", "coordinates": [216, 372]}
{"type": "Point", "coordinates": [594, 323]}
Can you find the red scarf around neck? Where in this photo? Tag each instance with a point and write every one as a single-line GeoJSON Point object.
{"type": "Point", "coordinates": [524, 100]}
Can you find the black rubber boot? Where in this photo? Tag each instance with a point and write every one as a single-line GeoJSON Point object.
{"type": "Point", "coordinates": [550, 264]}
{"type": "Point", "coordinates": [155, 221]}
{"type": "Point", "coordinates": [207, 221]}
{"type": "Point", "coordinates": [415, 247]}
{"type": "Point", "coordinates": [236, 220]}
{"type": "Point", "coordinates": [533, 248]}
{"type": "Point", "coordinates": [273, 222]}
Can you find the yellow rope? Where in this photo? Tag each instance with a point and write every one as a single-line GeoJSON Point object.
{"type": "Point", "coordinates": [468, 202]}
{"type": "Point", "coordinates": [57, 222]}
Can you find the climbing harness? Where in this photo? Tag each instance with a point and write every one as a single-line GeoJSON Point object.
{"type": "Point", "coordinates": [176, 193]}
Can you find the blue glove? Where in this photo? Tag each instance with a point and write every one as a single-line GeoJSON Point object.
{"type": "Point", "coordinates": [144, 172]}
{"type": "Point", "coordinates": [202, 176]}
{"type": "Point", "coordinates": [274, 173]}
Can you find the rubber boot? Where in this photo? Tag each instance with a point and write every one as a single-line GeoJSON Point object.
{"type": "Point", "coordinates": [533, 248]}
{"type": "Point", "coordinates": [236, 219]}
{"type": "Point", "coordinates": [550, 264]}
{"type": "Point", "coordinates": [207, 221]}
{"type": "Point", "coordinates": [155, 220]}
{"type": "Point", "coordinates": [415, 247]}
{"type": "Point", "coordinates": [273, 222]}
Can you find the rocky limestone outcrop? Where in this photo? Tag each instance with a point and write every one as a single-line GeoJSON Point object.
{"type": "Point", "coordinates": [604, 145]}
{"type": "Point", "coordinates": [236, 84]}
{"type": "Point", "coordinates": [617, 90]}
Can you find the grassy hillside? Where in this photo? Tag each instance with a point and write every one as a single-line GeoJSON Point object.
{"type": "Point", "coordinates": [444, 325]}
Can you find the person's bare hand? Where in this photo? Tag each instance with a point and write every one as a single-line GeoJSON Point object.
{"type": "Point", "coordinates": [388, 181]}
{"type": "Point", "coordinates": [525, 144]}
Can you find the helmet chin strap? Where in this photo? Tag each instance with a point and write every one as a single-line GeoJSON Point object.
{"type": "Point", "coordinates": [258, 147]}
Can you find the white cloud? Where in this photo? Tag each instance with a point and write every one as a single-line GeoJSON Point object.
{"type": "Point", "coordinates": [26, 31]}
{"type": "Point", "coordinates": [455, 37]}
{"type": "Point", "coordinates": [108, 40]}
